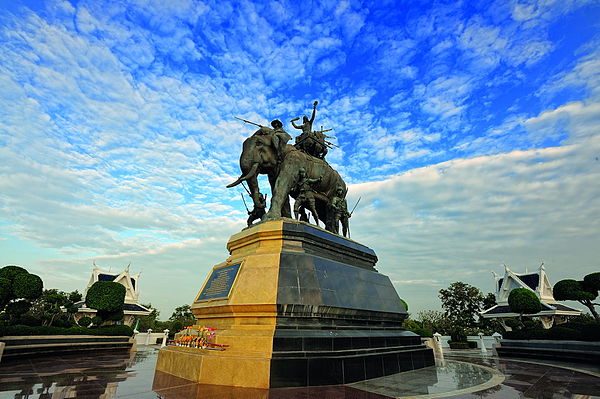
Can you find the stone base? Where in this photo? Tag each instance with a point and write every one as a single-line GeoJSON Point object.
{"type": "Point", "coordinates": [306, 308]}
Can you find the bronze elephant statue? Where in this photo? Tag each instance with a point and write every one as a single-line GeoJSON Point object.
{"type": "Point", "coordinates": [259, 156]}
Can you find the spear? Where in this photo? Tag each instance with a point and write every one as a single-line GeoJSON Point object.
{"type": "Point", "coordinates": [355, 205]}
{"type": "Point", "coordinates": [248, 191]}
{"type": "Point", "coordinates": [245, 205]}
{"type": "Point", "coordinates": [250, 122]}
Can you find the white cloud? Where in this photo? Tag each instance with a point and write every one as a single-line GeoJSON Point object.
{"type": "Point", "coordinates": [458, 220]}
{"type": "Point", "coordinates": [117, 136]}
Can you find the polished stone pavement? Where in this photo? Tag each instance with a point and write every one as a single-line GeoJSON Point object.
{"type": "Point", "coordinates": [462, 374]}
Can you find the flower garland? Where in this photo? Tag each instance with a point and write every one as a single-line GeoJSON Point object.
{"type": "Point", "coordinates": [198, 337]}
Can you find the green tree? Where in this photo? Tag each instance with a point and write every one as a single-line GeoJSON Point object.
{"type": "Point", "coordinates": [18, 288]}
{"type": "Point", "coordinates": [489, 326]}
{"type": "Point", "coordinates": [523, 301]}
{"type": "Point", "coordinates": [435, 321]}
{"type": "Point", "coordinates": [55, 307]}
{"type": "Point", "coordinates": [584, 292]}
{"type": "Point", "coordinates": [107, 297]}
{"type": "Point", "coordinates": [462, 303]}
{"type": "Point", "coordinates": [183, 314]}
{"type": "Point", "coordinates": [146, 322]}
{"type": "Point", "coordinates": [416, 327]}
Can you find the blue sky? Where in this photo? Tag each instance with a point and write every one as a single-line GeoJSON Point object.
{"type": "Point", "coordinates": [469, 129]}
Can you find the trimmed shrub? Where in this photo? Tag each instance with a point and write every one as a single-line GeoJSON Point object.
{"type": "Point", "coordinates": [563, 333]}
{"type": "Point", "coordinates": [17, 308]}
{"type": "Point", "coordinates": [591, 282]}
{"type": "Point", "coordinates": [111, 316]}
{"type": "Point", "coordinates": [10, 272]}
{"type": "Point", "coordinates": [458, 335]}
{"type": "Point", "coordinates": [532, 324]}
{"type": "Point", "coordinates": [97, 320]}
{"type": "Point", "coordinates": [570, 289]}
{"type": "Point", "coordinates": [63, 321]}
{"type": "Point", "coordinates": [29, 320]}
{"type": "Point", "coordinates": [524, 301]}
{"type": "Point", "coordinates": [512, 323]}
{"type": "Point", "coordinates": [16, 330]}
{"type": "Point", "coordinates": [29, 286]}
{"type": "Point", "coordinates": [5, 291]}
{"type": "Point", "coordinates": [85, 321]}
{"type": "Point", "coordinates": [590, 332]}
{"type": "Point", "coordinates": [423, 332]}
{"type": "Point", "coordinates": [106, 296]}
{"type": "Point", "coordinates": [404, 303]}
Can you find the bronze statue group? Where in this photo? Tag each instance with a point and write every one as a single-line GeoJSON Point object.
{"type": "Point", "coordinates": [330, 198]}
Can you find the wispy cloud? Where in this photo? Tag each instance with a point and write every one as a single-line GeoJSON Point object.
{"type": "Point", "coordinates": [117, 136]}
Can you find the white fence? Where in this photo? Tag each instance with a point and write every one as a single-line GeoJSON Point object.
{"type": "Point", "coordinates": [488, 341]}
{"type": "Point", "coordinates": [151, 338]}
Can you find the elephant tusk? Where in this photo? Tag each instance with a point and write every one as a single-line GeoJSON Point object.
{"type": "Point", "coordinates": [247, 176]}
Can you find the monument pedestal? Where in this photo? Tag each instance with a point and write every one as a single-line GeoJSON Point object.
{"type": "Point", "coordinates": [297, 306]}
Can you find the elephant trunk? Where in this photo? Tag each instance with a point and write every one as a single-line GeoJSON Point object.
{"type": "Point", "coordinates": [251, 173]}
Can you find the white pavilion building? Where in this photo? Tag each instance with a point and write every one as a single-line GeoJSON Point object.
{"type": "Point", "coordinates": [552, 311]}
{"type": "Point", "coordinates": [131, 308]}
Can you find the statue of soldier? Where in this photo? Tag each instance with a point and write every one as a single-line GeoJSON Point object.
{"type": "Point", "coordinates": [305, 198]}
{"type": "Point", "coordinates": [339, 207]}
{"type": "Point", "coordinates": [306, 125]}
{"type": "Point", "coordinates": [309, 141]}
{"type": "Point", "coordinates": [279, 136]}
{"type": "Point", "coordinates": [258, 211]}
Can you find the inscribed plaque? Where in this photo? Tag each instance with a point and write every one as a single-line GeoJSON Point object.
{"type": "Point", "coordinates": [219, 283]}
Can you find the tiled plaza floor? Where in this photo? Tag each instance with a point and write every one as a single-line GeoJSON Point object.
{"type": "Point", "coordinates": [460, 375]}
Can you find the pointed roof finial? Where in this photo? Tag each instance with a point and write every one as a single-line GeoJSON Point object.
{"type": "Point", "coordinates": [542, 266]}
{"type": "Point", "coordinates": [94, 264]}
{"type": "Point", "coordinates": [127, 268]}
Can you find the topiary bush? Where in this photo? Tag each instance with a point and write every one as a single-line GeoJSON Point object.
{"type": "Point", "coordinates": [97, 320]}
{"type": "Point", "coordinates": [106, 296]}
{"type": "Point", "coordinates": [85, 321]}
{"type": "Point", "coordinates": [567, 331]}
{"type": "Point", "coordinates": [524, 301]}
{"type": "Point", "coordinates": [563, 333]}
{"type": "Point", "coordinates": [28, 286]}
{"type": "Point", "coordinates": [10, 272]}
{"type": "Point", "coordinates": [16, 330]}
{"type": "Point", "coordinates": [404, 303]}
{"type": "Point", "coordinates": [5, 291]}
{"type": "Point", "coordinates": [17, 308]}
{"type": "Point", "coordinates": [512, 323]}
{"type": "Point", "coordinates": [29, 320]}
{"type": "Point", "coordinates": [591, 282]}
{"type": "Point", "coordinates": [590, 332]}
{"type": "Point", "coordinates": [584, 292]}
{"type": "Point", "coordinates": [423, 332]}
{"type": "Point", "coordinates": [458, 335]}
{"type": "Point", "coordinates": [17, 283]}
{"type": "Point", "coordinates": [111, 316]}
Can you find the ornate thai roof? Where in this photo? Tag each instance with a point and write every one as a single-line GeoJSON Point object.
{"type": "Point", "coordinates": [126, 279]}
{"type": "Point", "coordinates": [536, 282]}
